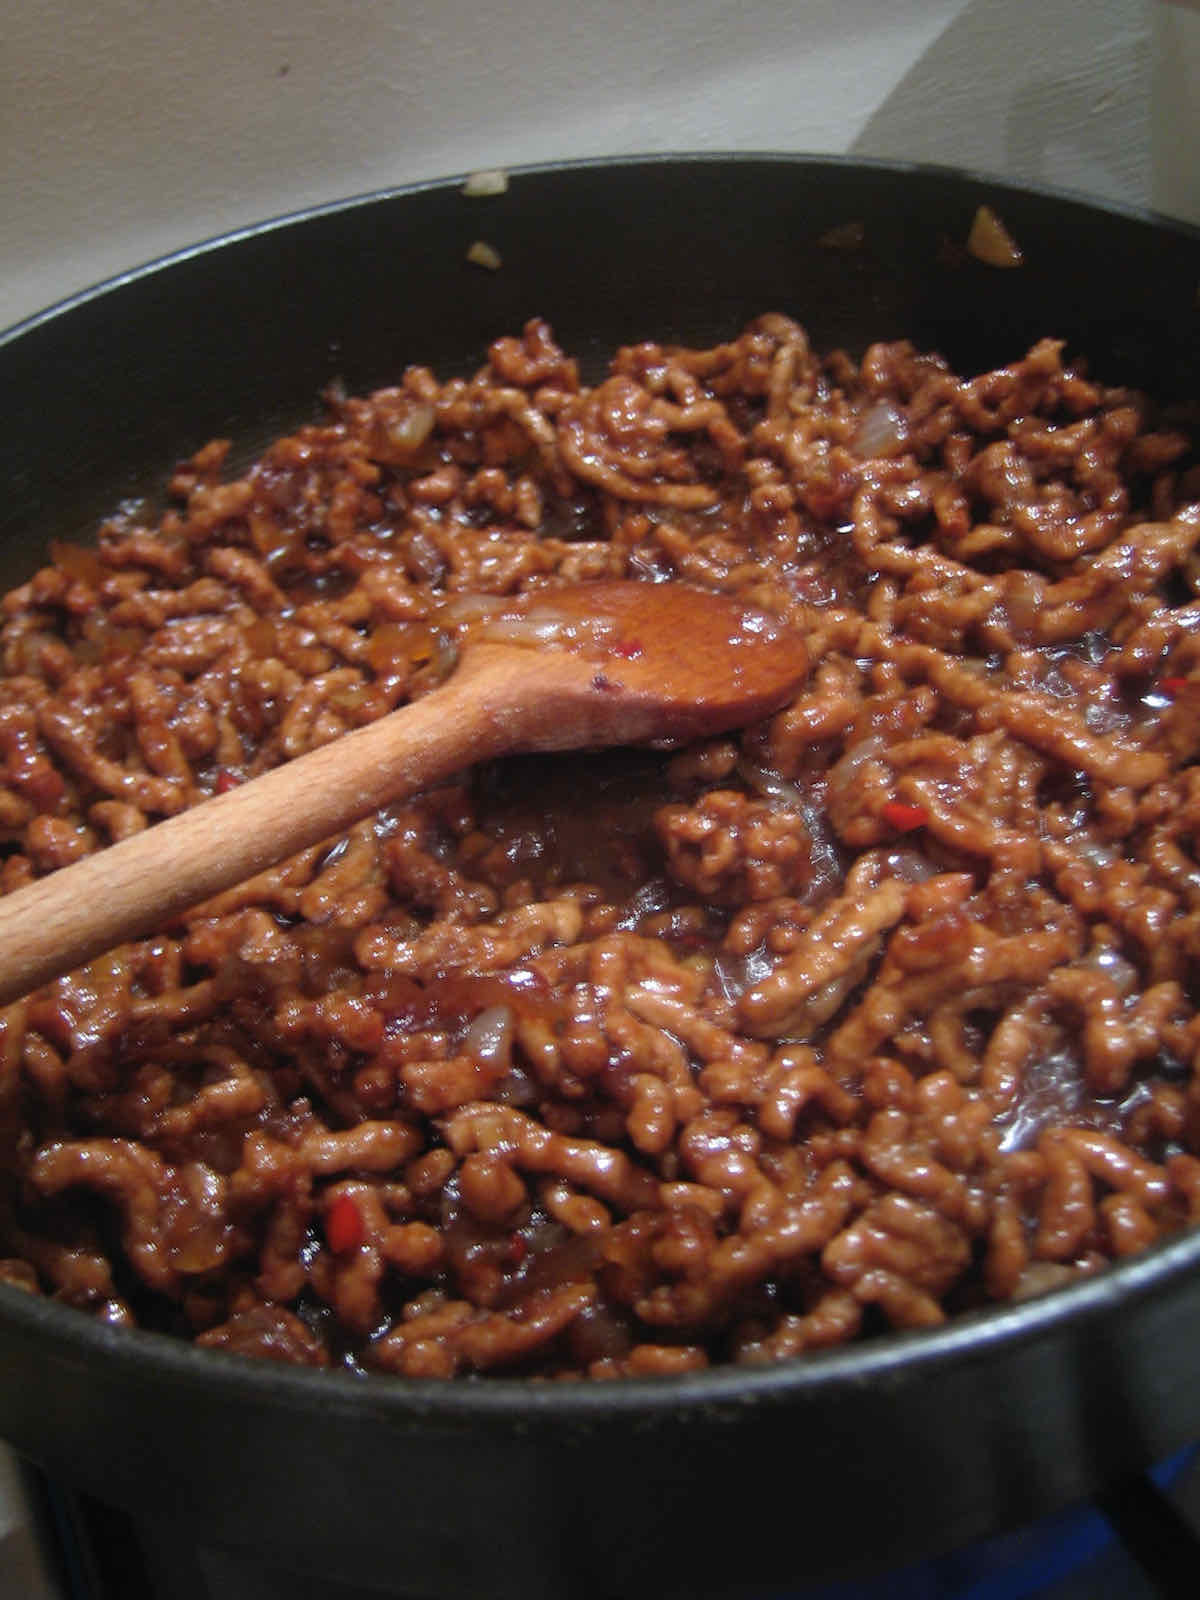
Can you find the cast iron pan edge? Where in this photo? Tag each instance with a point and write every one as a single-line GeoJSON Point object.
{"type": "Point", "coordinates": [890, 1449]}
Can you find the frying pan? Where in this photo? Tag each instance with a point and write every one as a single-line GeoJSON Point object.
{"type": "Point", "coordinates": [724, 1482]}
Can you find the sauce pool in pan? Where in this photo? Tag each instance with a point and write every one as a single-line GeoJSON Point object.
{"type": "Point", "coordinates": [879, 1010]}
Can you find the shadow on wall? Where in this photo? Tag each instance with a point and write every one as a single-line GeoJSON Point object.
{"type": "Point", "coordinates": [1176, 124]}
{"type": "Point", "coordinates": [982, 89]}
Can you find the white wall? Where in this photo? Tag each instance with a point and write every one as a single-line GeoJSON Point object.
{"type": "Point", "coordinates": [129, 127]}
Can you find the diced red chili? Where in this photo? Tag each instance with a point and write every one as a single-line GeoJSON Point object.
{"type": "Point", "coordinates": [344, 1226]}
{"type": "Point", "coordinates": [1171, 686]}
{"type": "Point", "coordinates": [626, 649]}
{"type": "Point", "coordinates": [518, 1248]}
{"type": "Point", "coordinates": [226, 780]}
{"type": "Point", "coordinates": [904, 818]}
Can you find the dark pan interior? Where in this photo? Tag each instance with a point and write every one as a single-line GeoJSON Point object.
{"type": "Point", "coordinates": [239, 338]}
{"type": "Point", "coordinates": [725, 1482]}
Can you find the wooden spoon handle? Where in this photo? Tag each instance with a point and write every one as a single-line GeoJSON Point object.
{"type": "Point", "coordinates": [137, 886]}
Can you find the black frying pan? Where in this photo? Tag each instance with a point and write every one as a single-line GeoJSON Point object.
{"type": "Point", "coordinates": [717, 1482]}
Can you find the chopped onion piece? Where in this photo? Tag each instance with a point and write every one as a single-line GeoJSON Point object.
{"type": "Point", "coordinates": [489, 1038]}
{"type": "Point", "coordinates": [457, 609]}
{"type": "Point", "coordinates": [770, 785]}
{"type": "Point", "coordinates": [410, 430]}
{"type": "Point", "coordinates": [544, 625]}
{"type": "Point", "coordinates": [989, 241]}
{"type": "Point", "coordinates": [882, 430]}
{"type": "Point", "coordinates": [482, 185]}
{"type": "Point", "coordinates": [482, 254]}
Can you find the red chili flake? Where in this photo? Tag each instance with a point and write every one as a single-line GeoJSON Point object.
{"type": "Point", "coordinates": [904, 818]}
{"type": "Point", "coordinates": [1171, 685]}
{"type": "Point", "coordinates": [344, 1226]}
{"type": "Point", "coordinates": [226, 780]}
{"type": "Point", "coordinates": [627, 649]}
{"type": "Point", "coordinates": [518, 1248]}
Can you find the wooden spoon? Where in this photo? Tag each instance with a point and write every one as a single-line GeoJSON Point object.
{"type": "Point", "coordinates": [586, 666]}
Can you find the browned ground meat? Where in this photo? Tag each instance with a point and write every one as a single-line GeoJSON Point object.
{"type": "Point", "coordinates": [614, 1065]}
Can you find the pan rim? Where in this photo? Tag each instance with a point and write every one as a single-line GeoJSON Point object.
{"type": "Point", "coordinates": [726, 1391]}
